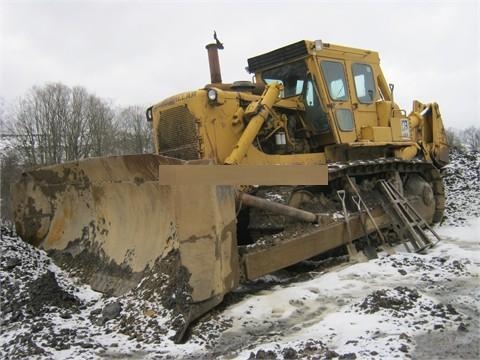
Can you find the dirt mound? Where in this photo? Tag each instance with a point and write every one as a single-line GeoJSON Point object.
{"type": "Point", "coordinates": [462, 184]}
{"type": "Point", "coordinates": [149, 315]}
{"type": "Point", "coordinates": [28, 287]}
{"type": "Point", "coordinates": [33, 295]}
{"type": "Point", "coordinates": [397, 299]}
{"type": "Point", "coordinates": [45, 291]}
{"type": "Point", "coordinates": [309, 349]}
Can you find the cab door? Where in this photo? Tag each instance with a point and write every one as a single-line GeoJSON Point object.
{"type": "Point", "coordinates": [339, 99]}
{"type": "Point", "coordinates": [364, 94]}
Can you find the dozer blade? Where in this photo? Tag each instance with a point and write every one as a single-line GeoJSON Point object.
{"type": "Point", "coordinates": [110, 218]}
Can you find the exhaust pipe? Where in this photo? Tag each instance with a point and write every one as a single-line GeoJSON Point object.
{"type": "Point", "coordinates": [213, 62]}
{"type": "Point", "coordinates": [277, 208]}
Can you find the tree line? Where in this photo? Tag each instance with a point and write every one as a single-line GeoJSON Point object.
{"type": "Point", "coordinates": [55, 123]}
{"type": "Point", "coordinates": [468, 139]}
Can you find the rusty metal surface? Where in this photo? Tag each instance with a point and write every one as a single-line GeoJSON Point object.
{"type": "Point", "coordinates": [111, 217]}
{"type": "Point", "coordinates": [303, 247]}
{"type": "Point", "coordinates": [112, 220]}
{"type": "Point", "coordinates": [55, 195]}
{"type": "Point", "coordinates": [214, 63]}
{"type": "Point", "coordinates": [103, 207]}
{"type": "Point", "coordinates": [277, 208]}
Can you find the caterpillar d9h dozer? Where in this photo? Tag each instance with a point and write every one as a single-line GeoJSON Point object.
{"type": "Point", "coordinates": [319, 157]}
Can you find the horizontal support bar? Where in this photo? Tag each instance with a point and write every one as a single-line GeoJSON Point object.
{"type": "Point", "coordinates": [259, 262]}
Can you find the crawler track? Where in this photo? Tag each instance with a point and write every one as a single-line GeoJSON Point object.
{"type": "Point", "coordinates": [359, 170]}
{"type": "Point", "coordinates": [389, 165]}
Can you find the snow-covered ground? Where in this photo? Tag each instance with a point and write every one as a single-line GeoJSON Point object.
{"type": "Point", "coordinates": [390, 307]}
{"type": "Point", "coordinates": [404, 306]}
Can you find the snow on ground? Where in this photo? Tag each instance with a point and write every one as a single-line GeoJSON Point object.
{"type": "Point", "coordinates": [400, 306]}
{"type": "Point", "coordinates": [405, 306]}
{"type": "Point", "coordinates": [384, 308]}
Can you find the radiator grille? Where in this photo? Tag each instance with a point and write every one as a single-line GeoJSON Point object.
{"type": "Point", "coordinates": [178, 134]}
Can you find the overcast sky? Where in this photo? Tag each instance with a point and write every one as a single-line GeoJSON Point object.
{"type": "Point", "coordinates": [139, 52]}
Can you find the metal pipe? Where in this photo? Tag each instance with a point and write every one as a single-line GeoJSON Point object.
{"type": "Point", "coordinates": [290, 211]}
{"type": "Point", "coordinates": [214, 63]}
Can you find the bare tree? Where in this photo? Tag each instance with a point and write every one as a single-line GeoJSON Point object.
{"type": "Point", "coordinates": [453, 137]}
{"type": "Point", "coordinates": [55, 102]}
{"type": "Point", "coordinates": [471, 137]}
{"type": "Point", "coordinates": [56, 123]}
{"type": "Point", "coordinates": [135, 133]}
{"type": "Point", "coordinates": [41, 120]}
{"type": "Point", "coordinates": [101, 129]}
{"type": "Point", "coordinates": [76, 128]}
{"type": "Point", "coordinates": [3, 115]}
{"type": "Point", "coordinates": [28, 127]}
{"type": "Point", "coordinates": [10, 170]}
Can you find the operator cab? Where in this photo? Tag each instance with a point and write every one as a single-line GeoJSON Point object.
{"type": "Point", "coordinates": [337, 87]}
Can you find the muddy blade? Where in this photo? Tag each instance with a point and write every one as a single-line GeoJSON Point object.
{"type": "Point", "coordinates": [110, 219]}
{"type": "Point", "coordinates": [99, 212]}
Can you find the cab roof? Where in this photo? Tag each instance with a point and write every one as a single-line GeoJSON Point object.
{"type": "Point", "coordinates": [304, 48]}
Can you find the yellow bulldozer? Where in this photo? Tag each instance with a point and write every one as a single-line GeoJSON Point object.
{"type": "Point", "coordinates": [249, 177]}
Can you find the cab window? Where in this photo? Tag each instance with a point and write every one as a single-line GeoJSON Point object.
{"type": "Point", "coordinates": [314, 113]}
{"type": "Point", "coordinates": [334, 75]}
{"type": "Point", "coordinates": [364, 83]}
{"type": "Point", "coordinates": [291, 76]}
{"type": "Point", "coordinates": [344, 119]}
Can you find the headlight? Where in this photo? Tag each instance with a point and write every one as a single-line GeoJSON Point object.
{"type": "Point", "coordinates": [149, 114]}
{"type": "Point", "coordinates": [212, 94]}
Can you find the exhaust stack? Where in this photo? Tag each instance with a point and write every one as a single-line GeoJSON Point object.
{"type": "Point", "coordinates": [213, 62]}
